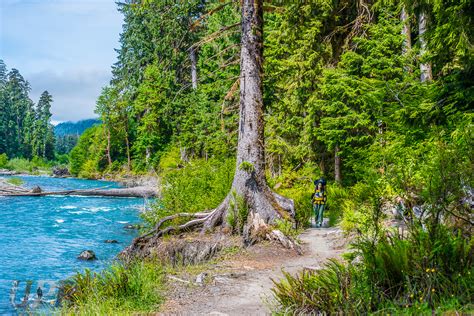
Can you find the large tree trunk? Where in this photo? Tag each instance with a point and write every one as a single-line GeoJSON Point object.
{"type": "Point", "coordinates": [263, 205]}
{"type": "Point", "coordinates": [425, 68]}
{"type": "Point", "coordinates": [337, 165]}
{"type": "Point", "coordinates": [194, 79]}
{"type": "Point", "coordinates": [250, 182]}
{"type": "Point", "coordinates": [249, 179]}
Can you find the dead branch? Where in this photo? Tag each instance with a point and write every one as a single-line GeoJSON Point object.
{"type": "Point", "coordinates": [215, 35]}
{"type": "Point", "coordinates": [174, 216]}
{"type": "Point", "coordinates": [208, 14]}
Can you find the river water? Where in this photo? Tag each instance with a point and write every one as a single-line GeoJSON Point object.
{"type": "Point", "coordinates": [40, 237]}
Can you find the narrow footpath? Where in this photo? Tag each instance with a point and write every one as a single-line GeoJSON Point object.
{"type": "Point", "coordinates": [242, 284]}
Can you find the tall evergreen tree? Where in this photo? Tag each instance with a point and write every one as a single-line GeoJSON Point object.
{"type": "Point", "coordinates": [25, 131]}
{"type": "Point", "coordinates": [43, 131]}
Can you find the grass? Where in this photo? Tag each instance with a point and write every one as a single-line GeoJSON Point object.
{"type": "Point", "coordinates": [34, 166]}
{"type": "Point", "coordinates": [15, 181]}
{"type": "Point", "coordinates": [137, 288]}
{"type": "Point", "coordinates": [420, 274]}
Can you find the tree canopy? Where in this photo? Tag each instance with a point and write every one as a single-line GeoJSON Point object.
{"type": "Point", "coordinates": [25, 128]}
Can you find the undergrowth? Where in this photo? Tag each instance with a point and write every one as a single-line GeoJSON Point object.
{"type": "Point", "coordinates": [15, 181]}
{"type": "Point", "coordinates": [119, 289]}
{"type": "Point", "coordinates": [395, 275]}
{"type": "Point", "coordinates": [34, 166]}
{"type": "Point", "coordinates": [200, 185]}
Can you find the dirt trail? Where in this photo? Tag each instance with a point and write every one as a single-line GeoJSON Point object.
{"type": "Point", "coordinates": [245, 286]}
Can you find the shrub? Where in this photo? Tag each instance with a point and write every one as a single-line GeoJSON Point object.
{"type": "Point", "coordinates": [423, 272]}
{"type": "Point", "coordinates": [287, 228]}
{"type": "Point", "coordinates": [327, 291]}
{"type": "Point", "coordinates": [27, 166]}
{"type": "Point", "coordinates": [200, 185]}
{"type": "Point", "coordinates": [135, 288]}
{"type": "Point", "coordinates": [297, 186]}
{"type": "Point", "coordinates": [425, 268]}
{"type": "Point", "coordinates": [336, 197]}
{"type": "Point", "coordinates": [62, 159]}
{"type": "Point", "coordinates": [15, 181]}
{"type": "Point", "coordinates": [238, 213]}
{"type": "Point", "coordinates": [3, 160]}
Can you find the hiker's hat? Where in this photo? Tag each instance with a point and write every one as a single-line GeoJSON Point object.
{"type": "Point", "coordinates": [320, 180]}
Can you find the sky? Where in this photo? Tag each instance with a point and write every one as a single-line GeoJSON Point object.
{"type": "Point", "coordinates": [63, 46]}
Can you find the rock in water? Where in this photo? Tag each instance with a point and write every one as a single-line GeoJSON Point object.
{"type": "Point", "coordinates": [36, 189]}
{"type": "Point", "coordinates": [87, 255]}
{"type": "Point", "coordinates": [133, 226]}
{"type": "Point", "coordinates": [111, 241]}
{"type": "Point", "coordinates": [61, 172]}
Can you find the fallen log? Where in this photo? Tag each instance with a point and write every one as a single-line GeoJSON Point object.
{"type": "Point", "coordinates": [6, 172]}
{"type": "Point", "coordinates": [6, 188]}
{"type": "Point", "coordinates": [120, 192]}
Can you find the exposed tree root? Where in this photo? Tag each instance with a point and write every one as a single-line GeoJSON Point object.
{"type": "Point", "coordinates": [156, 229]}
{"type": "Point", "coordinates": [257, 228]}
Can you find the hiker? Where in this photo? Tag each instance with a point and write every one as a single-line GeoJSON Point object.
{"type": "Point", "coordinates": [319, 201]}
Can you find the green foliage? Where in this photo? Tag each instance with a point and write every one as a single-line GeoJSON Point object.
{"type": "Point", "coordinates": [88, 156]}
{"type": "Point", "coordinates": [15, 181]}
{"type": "Point", "coordinates": [298, 186]}
{"type": "Point", "coordinates": [62, 159]}
{"type": "Point", "coordinates": [287, 228]}
{"type": "Point", "coordinates": [199, 185]}
{"type": "Point", "coordinates": [237, 213]}
{"type": "Point", "coordinates": [421, 272]}
{"type": "Point", "coordinates": [3, 160]}
{"type": "Point", "coordinates": [119, 289]}
{"type": "Point", "coordinates": [74, 128]}
{"type": "Point", "coordinates": [246, 166]}
{"type": "Point", "coordinates": [34, 166]}
{"type": "Point", "coordinates": [25, 129]}
{"type": "Point", "coordinates": [338, 80]}
{"type": "Point", "coordinates": [337, 195]}
{"type": "Point", "coordinates": [327, 291]}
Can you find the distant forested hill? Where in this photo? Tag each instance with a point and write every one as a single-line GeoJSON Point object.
{"type": "Point", "coordinates": [74, 128]}
{"type": "Point", "coordinates": [67, 134]}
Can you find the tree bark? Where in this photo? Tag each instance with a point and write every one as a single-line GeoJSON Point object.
{"type": "Point", "coordinates": [249, 179]}
{"type": "Point", "coordinates": [425, 68]}
{"type": "Point", "coordinates": [250, 182]}
{"type": "Point", "coordinates": [109, 158]}
{"type": "Point", "coordinates": [194, 79]}
{"type": "Point", "coordinates": [406, 31]}
{"type": "Point", "coordinates": [263, 205]}
{"type": "Point", "coordinates": [337, 165]}
{"type": "Point", "coordinates": [127, 143]}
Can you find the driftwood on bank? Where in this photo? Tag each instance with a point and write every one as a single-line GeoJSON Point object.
{"type": "Point", "coordinates": [12, 190]}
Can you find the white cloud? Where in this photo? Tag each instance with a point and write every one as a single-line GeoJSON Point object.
{"type": "Point", "coordinates": [63, 46]}
{"type": "Point", "coordinates": [74, 91]}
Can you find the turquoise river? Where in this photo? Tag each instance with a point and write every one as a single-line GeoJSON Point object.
{"type": "Point", "coordinates": [41, 237]}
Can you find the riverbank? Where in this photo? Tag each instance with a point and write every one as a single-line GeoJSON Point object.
{"type": "Point", "coordinates": [235, 280]}
{"type": "Point", "coordinates": [41, 238]}
{"type": "Point", "coordinates": [139, 189]}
